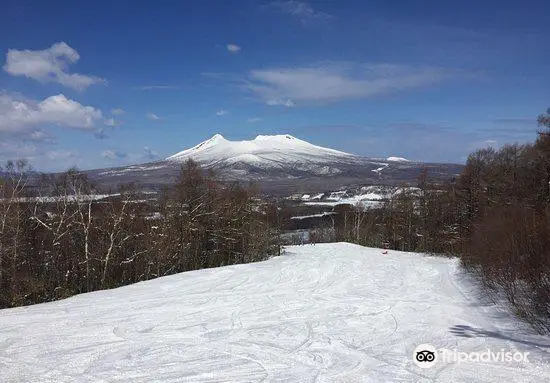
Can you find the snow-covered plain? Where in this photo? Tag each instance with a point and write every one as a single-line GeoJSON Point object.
{"type": "Point", "coordinates": [319, 313]}
{"type": "Point", "coordinates": [362, 203]}
{"type": "Point", "coordinates": [367, 198]}
{"type": "Point", "coordinates": [69, 198]}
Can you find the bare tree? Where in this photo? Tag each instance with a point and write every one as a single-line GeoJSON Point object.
{"type": "Point", "coordinates": [11, 197]}
{"type": "Point", "coordinates": [117, 214]}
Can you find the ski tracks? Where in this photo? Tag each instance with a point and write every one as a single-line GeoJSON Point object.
{"type": "Point", "coordinates": [323, 313]}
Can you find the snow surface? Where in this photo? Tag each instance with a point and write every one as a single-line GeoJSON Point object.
{"type": "Point", "coordinates": [263, 151]}
{"type": "Point", "coordinates": [319, 215]}
{"type": "Point", "coordinates": [70, 198]}
{"type": "Point", "coordinates": [397, 159]}
{"type": "Point", "coordinates": [368, 198]}
{"type": "Point", "coordinates": [133, 168]}
{"type": "Point", "coordinates": [319, 313]}
{"type": "Point", "coordinates": [378, 170]}
{"type": "Point", "coordinates": [308, 197]}
{"type": "Point", "coordinates": [357, 201]}
{"type": "Point", "coordinates": [318, 196]}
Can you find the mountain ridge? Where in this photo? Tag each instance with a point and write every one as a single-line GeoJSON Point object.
{"type": "Point", "coordinates": [277, 162]}
{"type": "Point", "coordinates": [268, 148]}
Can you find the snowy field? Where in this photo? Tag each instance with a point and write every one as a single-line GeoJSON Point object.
{"type": "Point", "coordinates": [319, 313]}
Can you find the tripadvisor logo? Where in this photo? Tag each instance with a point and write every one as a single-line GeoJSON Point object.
{"type": "Point", "coordinates": [426, 355]}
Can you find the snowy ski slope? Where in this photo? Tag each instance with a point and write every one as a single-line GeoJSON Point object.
{"type": "Point", "coordinates": [322, 313]}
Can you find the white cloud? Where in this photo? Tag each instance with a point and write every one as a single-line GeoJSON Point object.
{"type": "Point", "coordinates": [149, 153]}
{"type": "Point", "coordinates": [11, 150]}
{"type": "Point", "coordinates": [152, 116]}
{"type": "Point", "coordinates": [253, 120]}
{"type": "Point", "coordinates": [117, 111]}
{"type": "Point", "coordinates": [61, 155]}
{"type": "Point", "coordinates": [40, 159]}
{"type": "Point", "coordinates": [221, 112]}
{"type": "Point", "coordinates": [40, 136]}
{"type": "Point", "coordinates": [20, 115]}
{"type": "Point", "coordinates": [233, 48]}
{"type": "Point", "coordinates": [331, 83]}
{"type": "Point", "coordinates": [110, 122]}
{"type": "Point", "coordinates": [278, 102]}
{"type": "Point", "coordinates": [113, 155]}
{"type": "Point", "coordinates": [301, 10]}
{"type": "Point", "coordinates": [157, 87]}
{"type": "Point", "coordinates": [49, 65]}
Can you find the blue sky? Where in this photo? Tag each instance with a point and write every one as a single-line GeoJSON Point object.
{"type": "Point", "coordinates": [107, 83]}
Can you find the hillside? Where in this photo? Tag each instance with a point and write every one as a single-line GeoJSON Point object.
{"type": "Point", "coordinates": [326, 312]}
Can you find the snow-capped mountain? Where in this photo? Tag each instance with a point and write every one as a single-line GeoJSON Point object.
{"type": "Point", "coordinates": [277, 162]}
{"type": "Point", "coordinates": [267, 152]}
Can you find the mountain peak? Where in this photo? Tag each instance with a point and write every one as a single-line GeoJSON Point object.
{"type": "Point", "coordinates": [264, 149]}
{"type": "Point", "coordinates": [275, 137]}
{"type": "Point", "coordinates": [217, 137]}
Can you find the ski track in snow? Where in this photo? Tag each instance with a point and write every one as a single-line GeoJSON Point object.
{"type": "Point", "coordinates": [319, 313]}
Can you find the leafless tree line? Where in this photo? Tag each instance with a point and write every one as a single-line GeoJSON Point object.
{"type": "Point", "coordinates": [58, 238]}
{"type": "Point", "coordinates": [419, 218]}
{"type": "Point", "coordinates": [495, 216]}
{"type": "Point", "coordinates": [506, 222]}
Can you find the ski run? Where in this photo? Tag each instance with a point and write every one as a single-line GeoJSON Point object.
{"type": "Point", "coordinates": [318, 313]}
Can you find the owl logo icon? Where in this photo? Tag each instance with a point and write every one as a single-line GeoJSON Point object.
{"type": "Point", "coordinates": [425, 355]}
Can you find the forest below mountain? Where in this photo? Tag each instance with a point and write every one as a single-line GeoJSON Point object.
{"type": "Point", "coordinates": [65, 237]}
{"type": "Point", "coordinates": [57, 238]}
